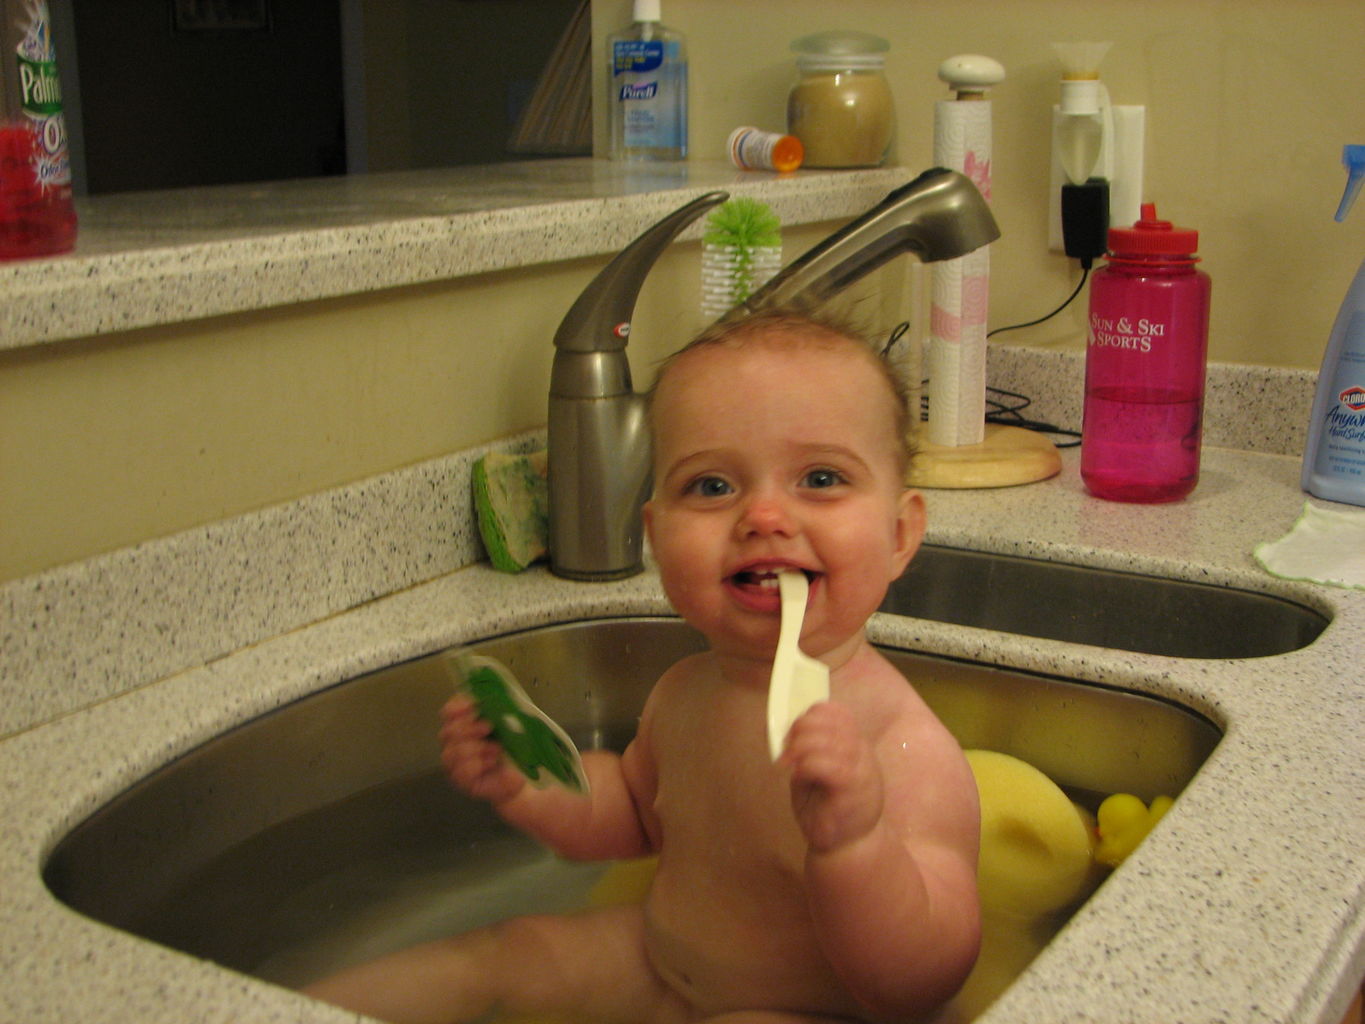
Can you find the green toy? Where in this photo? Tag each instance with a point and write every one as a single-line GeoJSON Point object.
{"type": "Point", "coordinates": [539, 748]}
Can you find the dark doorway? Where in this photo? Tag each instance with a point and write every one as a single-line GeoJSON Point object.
{"type": "Point", "coordinates": [167, 102]}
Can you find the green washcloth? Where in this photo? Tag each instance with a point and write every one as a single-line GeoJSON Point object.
{"type": "Point", "coordinates": [1326, 545]}
{"type": "Point", "coordinates": [539, 748]}
{"type": "Point", "coordinates": [512, 500]}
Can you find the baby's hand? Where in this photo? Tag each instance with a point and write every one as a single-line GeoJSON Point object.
{"type": "Point", "coordinates": [472, 761]}
{"type": "Point", "coordinates": [836, 781]}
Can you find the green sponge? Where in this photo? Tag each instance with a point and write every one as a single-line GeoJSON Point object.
{"type": "Point", "coordinates": [512, 501]}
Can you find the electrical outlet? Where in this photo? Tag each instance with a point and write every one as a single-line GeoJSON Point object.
{"type": "Point", "coordinates": [1122, 152]}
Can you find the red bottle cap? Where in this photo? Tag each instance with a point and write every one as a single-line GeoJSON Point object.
{"type": "Point", "coordinates": [1152, 237]}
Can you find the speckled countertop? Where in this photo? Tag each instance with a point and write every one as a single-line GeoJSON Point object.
{"type": "Point", "coordinates": [1245, 904]}
{"type": "Point", "coordinates": [161, 257]}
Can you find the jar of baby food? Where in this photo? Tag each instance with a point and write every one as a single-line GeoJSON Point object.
{"type": "Point", "coordinates": [841, 107]}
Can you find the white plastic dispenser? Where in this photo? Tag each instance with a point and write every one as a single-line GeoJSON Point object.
{"type": "Point", "coordinates": [1334, 460]}
{"type": "Point", "coordinates": [1083, 110]}
{"type": "Point", "coordinates": [1093, 138]}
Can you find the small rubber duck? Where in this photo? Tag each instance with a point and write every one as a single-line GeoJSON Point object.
{"type": "Point", "coordinates": [1124, 821]}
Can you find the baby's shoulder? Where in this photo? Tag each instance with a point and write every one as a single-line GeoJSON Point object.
{"type": "Point", "coordinates": [892, 700]}
{"type": "Point", "coordinates": [874, 677]}
{"type": "Point", "coordinates": [691, 668]}
{"type": "Point", "coordinates": [682, 680]}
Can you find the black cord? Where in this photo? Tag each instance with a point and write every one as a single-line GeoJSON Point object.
{"type": "Point", "coordinates": [897, 333]}
{"type": "Point", "coordinates": [1009, 415]}
{"type": "Point", "coordinates": [1085, 274]}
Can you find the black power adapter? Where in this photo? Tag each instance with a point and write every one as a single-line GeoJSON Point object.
{"type": "Point", "coordinates": [1085, 235]}
{"type": "Point", "coordinates": [1085, 220]}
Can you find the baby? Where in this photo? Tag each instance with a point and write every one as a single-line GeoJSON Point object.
{"type": "Point", "coordinates": [837, 884]}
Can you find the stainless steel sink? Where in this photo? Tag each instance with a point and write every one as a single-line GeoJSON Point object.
{"type": "Point", "coordinates": [1101, 607]}
{"type": "Point", "coordinates": [324, 833]}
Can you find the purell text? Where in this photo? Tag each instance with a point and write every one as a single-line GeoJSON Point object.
{"type": "Point", "coordinates": [643, 91]}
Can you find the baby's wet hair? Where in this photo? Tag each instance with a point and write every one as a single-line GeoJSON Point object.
{"type": "Point", "coordinates": [799, 325]}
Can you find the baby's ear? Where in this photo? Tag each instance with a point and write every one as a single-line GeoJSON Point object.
{"type": "Point", "coordinates": [910, 523]}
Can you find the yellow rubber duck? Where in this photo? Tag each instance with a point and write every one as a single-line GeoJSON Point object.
{"type": "Point", "coordinates": [1124, 821]}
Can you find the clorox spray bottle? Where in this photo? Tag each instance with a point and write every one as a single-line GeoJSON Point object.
{"type": "Point", "coordinates": [1334, 461]}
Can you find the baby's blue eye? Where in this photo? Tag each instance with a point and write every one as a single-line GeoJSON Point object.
{"type": "Point", "coordinates": [821, 478]}
{"type": "Point", "coordinates": [710, 487]}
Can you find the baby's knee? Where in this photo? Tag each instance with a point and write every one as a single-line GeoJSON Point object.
{"type": "Point", "coordinates": [534, 939]}
{"type": "Point", "coordinates": [591, 966]}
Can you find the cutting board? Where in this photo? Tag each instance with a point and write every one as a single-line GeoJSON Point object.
{"type": "Point", "coordinates": [1006, 457]}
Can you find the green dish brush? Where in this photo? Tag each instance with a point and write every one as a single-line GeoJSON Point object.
{"type": "Point", "coordinates": [512, 503]}
{"type": "Point", "coordinates": [741, 249]}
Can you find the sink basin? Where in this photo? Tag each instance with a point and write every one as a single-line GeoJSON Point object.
{"type": "Point", "coordinates": [324, 833]}
{"type": "Point", "coordinates": [1101, 607]}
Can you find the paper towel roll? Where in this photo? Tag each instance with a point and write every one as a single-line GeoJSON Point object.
{"type": "Point", "coordinates": [961, 288]}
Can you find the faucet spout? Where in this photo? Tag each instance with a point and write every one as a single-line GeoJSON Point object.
{"type": "Point", "coordinates": [939, 216]}
{"type": "Point", "coordinates": [599, 448]}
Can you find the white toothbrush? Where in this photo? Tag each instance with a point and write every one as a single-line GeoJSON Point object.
{"type": "Point", "coordinates": [798, 680]}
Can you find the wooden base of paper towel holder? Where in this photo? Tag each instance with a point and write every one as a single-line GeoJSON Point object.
{"type": "Point", "coordinates": [1006, 457]}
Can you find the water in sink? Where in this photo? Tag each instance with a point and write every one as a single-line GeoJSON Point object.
{"type": "Point", "coordinates": [324, 833]}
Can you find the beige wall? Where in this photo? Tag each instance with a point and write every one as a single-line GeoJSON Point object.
{"type": "Point", "coordinates": [108, 441]}
{"type": "Point", "coordinates": [1248, 105]}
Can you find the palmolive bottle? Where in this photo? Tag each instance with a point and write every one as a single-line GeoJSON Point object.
{"type": "Point", "coordinates": [1145, 361]}
{"type": "Point", "coordinates": [36, 215]}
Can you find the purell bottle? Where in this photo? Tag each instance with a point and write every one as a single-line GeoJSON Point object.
{"type": "Point", "coordinates": [648, 89]}
{"type": "Point", "coordinates": [36, 215]}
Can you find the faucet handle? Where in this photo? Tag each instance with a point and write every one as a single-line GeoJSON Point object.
{"type": "Point", "coordinates": [599, 320]}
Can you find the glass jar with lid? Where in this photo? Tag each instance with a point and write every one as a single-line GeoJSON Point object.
{"type": "Point", "coordinates": [841, 107]}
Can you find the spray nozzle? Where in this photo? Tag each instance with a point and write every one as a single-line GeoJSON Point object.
{"type": "Point", "coordinates": [1353, 159]}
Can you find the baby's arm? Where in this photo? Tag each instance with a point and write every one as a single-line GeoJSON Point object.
{"type": "Point", "coordinates": [892, 831]}
{"type": "Point", "coordinates": [603, 825]}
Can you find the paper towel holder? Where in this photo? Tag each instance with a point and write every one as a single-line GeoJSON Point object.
{"type": "Point", "coordinates": [1005, 456]}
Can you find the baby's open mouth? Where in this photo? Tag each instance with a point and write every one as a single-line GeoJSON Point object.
{"type": "Point", "coordinates": [765, 578]}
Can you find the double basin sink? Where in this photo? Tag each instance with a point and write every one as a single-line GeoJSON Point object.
{"type": "Point", "coordinates": [324, 832]}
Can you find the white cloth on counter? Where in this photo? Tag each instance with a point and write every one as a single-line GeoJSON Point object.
{"type": "Point", "coordinates": [1326, 545]}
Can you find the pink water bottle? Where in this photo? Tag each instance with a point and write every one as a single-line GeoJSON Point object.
{"type": "Point", "coordinates": [1144, 365]}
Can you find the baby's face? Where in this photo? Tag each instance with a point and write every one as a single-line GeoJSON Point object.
{"type": "Point", "coordinates": [769, 458]}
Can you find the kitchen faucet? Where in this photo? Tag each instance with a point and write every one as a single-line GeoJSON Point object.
{"type": "Point", "coordinates": [599, 445]}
